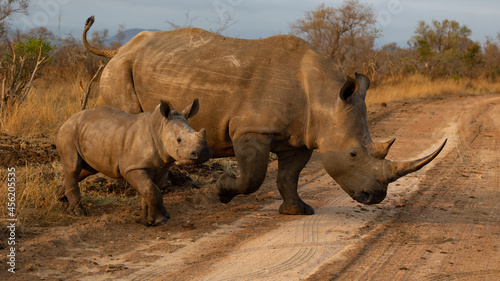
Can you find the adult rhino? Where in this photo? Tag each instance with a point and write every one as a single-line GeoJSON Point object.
{"type": "Point", "coordinates": [276, 94]}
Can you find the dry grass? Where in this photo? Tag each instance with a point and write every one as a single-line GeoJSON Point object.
{"type": "Point", "coordinates": [420, 87]}
{"type": "Point", "coordinates": [35, 197]}
{"type": "Point", "coordinates": [48, 105]}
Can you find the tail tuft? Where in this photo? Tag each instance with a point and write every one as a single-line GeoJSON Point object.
{"type": "Point", "coordinates": [90, 21]}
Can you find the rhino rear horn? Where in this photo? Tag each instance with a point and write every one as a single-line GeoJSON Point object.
{"type": "Point", "coordinates": [380, 150]}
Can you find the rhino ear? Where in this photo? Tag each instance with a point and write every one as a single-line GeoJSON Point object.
{"type": "Point", "coordinates": [191, 109]}
{"type": "Point", "coordinates": [165, 108]}
{"type": "Point", "coordinates": [364, 84]}
{"type": "Point", "coordinates": [350, 87]}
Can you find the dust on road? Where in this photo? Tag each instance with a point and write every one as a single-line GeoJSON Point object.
{"type": "Point", "coordinates": [441, 223]}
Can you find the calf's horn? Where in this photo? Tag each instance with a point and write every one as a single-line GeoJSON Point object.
{"type": "Point", "coordinates": [202, 133]}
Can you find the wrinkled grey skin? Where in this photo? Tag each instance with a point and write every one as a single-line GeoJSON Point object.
{"type": "Point", "coordinates": [138, 148]}
{"type": "Point", "coordinates": [276, 94]}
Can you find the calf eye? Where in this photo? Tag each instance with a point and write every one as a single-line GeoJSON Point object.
{"type": "Point", "coordinates": [179, 140]}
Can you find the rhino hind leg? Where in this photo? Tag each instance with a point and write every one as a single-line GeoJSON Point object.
{"type": "Point", "coordinates": [116, 81]}
{"type": "Point", "coordinates": [252, 155]}
{"type": "Point", "coordinates": [70, 191]}
{"type": "Point", "coordinates": [290, 164]}
{"type": "Point", "coordinates": [153, 211]}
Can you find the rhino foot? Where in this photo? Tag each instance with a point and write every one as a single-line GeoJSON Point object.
{"type": "Point", "coordinates": [153, 223]}
{"type": "Point", "coordinates": [296, 209]}
{"type": "Point", "coordinates": [79, 210]}
{"type": "Point", "coordinates": [156, 219]}
{"type": "Point", "coordinates": [224, 194]}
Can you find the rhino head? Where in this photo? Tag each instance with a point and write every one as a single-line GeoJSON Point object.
{"type": "Point", "coordinates": [178, 139]}
{"type": "Point", "coordinates": [352, 159]}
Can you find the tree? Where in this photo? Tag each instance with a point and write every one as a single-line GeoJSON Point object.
{"type": "Point", "coordinates": [8, 8]}
{"type": "Point", "coordinates": [441, 36]}
{"type": "Point", "coordinates": [346, 34]}
{"type": "Point", "coordinates": [18, 70]}
{"type": "Point", "coordinates": [492, 57]}
{"type": "Point", "coordinates": [445, 48]}
{"type": "Point", "coordinates": [394, 62]}
{"type": "Point", "coordinates": [120, 37]}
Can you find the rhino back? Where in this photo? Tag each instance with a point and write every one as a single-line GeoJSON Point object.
{"type": "Point", "coordinates": [244, 86]}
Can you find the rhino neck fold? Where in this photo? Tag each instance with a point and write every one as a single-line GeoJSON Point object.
{"type": "Point", "coordinates": [156, 131]}
{"type": "Point", "coordinates": [320, 82]}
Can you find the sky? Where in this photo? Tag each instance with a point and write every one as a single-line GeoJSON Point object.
{"type": "Point", "coordinates": [254, 19]}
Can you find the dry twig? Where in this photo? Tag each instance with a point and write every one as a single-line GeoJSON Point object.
{"type": "Point", "coordinates": [86, 93]}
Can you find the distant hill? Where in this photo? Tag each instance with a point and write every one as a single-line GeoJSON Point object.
{"type": "Point", "coordinates": [129, 34]}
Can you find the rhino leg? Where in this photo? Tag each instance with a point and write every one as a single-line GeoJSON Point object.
{"type": "Point", "coordinates": [72, 166]}
{"type": "Point", "coordinates": [153, 211]}
{"type": "Point", "coordinates": [116, 81]}
{"type": "Point", "coordinates": [290, 164]}
{"type": "Point", "coordinates": [252, 155]}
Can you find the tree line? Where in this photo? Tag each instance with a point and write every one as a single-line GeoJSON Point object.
{"type": "Point", "coordinates": [439, 49]}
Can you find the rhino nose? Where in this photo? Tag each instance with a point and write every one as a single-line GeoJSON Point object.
{"type": "Point", "coordinates": [193, 155]}
{"type": "Point", "coordinates": [370, 198]}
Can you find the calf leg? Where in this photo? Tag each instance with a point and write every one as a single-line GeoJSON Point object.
{"type": "Point", "coordinates": [252, 154]}
{"type": "Point", "coordinates": [290, 164]}
{"type": "Point", "coordinates": [153, 212]}
{"type": "Point", "coordinates": [72, 166]}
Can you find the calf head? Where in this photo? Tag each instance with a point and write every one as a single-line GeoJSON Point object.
{"type": "Point", "coordinates": [348, 153]}
{"type": "Point", "coordinates": [177, 138]}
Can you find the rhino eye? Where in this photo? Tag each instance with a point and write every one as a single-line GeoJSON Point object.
{"type": "Point", "coordinates": [353, 154]}
{"type": "Point", "coordinates": [179, 140]}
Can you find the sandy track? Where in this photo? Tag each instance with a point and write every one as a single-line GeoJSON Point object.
{"type": "Point", "coordinates": [441, 223]}
{"type": "Point", "coordinates": [449, 229]}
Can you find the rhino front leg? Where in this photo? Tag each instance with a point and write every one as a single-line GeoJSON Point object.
{"type": "Point", "coordinates": [252, 155]}
{"type": "Point", "coordinates": [153, 211]}
{"type": "Point", "coordinates": [290, 164]}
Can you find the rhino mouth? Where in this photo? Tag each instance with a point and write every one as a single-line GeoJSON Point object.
{"type": "Point", "coordinates": [373, 193]}
{"type": "Point", "coordinates": [196, 157]}
{"type": "Point", "coordinates": [370, 198]}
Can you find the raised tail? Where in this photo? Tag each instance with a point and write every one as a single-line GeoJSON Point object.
{"type": "Point", "coordinates": [107, 53]}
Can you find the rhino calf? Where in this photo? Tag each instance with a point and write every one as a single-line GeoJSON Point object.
{"type": "Point", "coordinates": [138, 148]}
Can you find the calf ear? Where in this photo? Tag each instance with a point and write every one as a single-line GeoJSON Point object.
{"type": "Point", "coordinates": [165, 108]}
{"type": "Point", "coordinates": [350, 87]}
{"type": "Point", "coordinates": [191, 109]}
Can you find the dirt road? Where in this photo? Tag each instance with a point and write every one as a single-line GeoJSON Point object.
{"type": "Point", "coordinates": [441, 223]}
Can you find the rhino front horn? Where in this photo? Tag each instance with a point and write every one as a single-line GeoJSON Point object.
{"type": "Point", "coordinates": [399, 169]}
